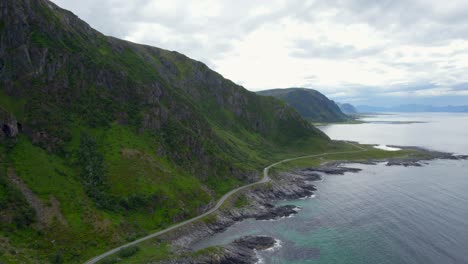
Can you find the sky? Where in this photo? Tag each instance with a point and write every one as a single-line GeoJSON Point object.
{"type": "Point", "coordinates": [385, 52]}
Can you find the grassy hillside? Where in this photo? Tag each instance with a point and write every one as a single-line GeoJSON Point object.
{"type": "Point", "coordinates": [311, 104]}
{"type": "Point", "coordinates": [104, 140]}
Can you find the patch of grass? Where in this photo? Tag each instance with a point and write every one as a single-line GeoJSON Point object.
{"type": "Point", "coordinates": [146, 253]}
{"type": "Point", "coordinates": [371, 153]}
{"type": "Point", "coordinates": [42, 40]}
{"type": "Point", "coordinates": [207, 251]}
{"type": "Point", "coordinates": [209, 219]}
{"type": "Point", "coordinates": [12, 105]}
{"type": "Point", "coordinates": [128, 251]}
{"type": "Point", "coordinates": [241, 201]}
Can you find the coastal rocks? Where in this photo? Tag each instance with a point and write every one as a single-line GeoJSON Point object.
{"type": "Point", "coordinates": [310, 175]}
{"type": "Point", "coordinates": [285, 186]}
{"type": "Point", "coordinates": [404, 163]}
{"type": "Point", "coordinates": [240, 251]}
{"type": "Point", "coordinates": [243, 250]}
{"type": "Point", "coordinates": [255, 242]}
{"type": "Point", "coordinates": [458, 157]}
{"type": "Point", "coordinates": [279, 212]}
{"type": "Point", "coordinates": [290, 186]}
{"type": "Point", "coordinates": [334, 170]}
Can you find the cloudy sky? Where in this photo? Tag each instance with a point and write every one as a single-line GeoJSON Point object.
{"type": "Point", "coordinates": [363, 51]}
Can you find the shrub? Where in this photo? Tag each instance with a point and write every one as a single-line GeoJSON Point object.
{"type": "Point", "coordinates": [128, 251]}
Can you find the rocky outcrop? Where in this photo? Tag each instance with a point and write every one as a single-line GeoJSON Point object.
{"type": "Point", "coordinates": [279, 212]}
{"type": "Point", "coordinates": [404, 163]}
{"type": "Point", "coordinates": [46, 214]}
{"type": "Point", "coordinates": [240, 251]}
{"type": "Point", "coordinates": [9, 125]}
{"type": "Point", "coordinates": [332, 169]}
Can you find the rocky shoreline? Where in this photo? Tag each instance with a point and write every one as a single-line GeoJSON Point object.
{"type": "Point", "coordinates": [286, 186]}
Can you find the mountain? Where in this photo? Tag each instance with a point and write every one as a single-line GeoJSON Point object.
{"type": "Point", "coordinates": [104, 140]}
{"type": "Point", "coordinates": [311, 104]}
{"type": "Point", "coordinates": [413, 108]}
{"type": "Point", "coordinates": [348, 109]}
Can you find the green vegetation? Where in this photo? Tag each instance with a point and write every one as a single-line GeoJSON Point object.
{"type": "Point", "coordinates": [128, 251]}
{"type": "Point", "coordinates": [146, 252]}
{"type": "Point", "coordinates": [118, 140]}
{"type": "Point", "coordinates": [91, 162]}
{"type": "Point", "coordinates": [11, 105]}
{"type": "Point", "coordinates": [371, 153]}
{"type": "Point", "coordinates": [359, 153]}
{"type": "Point", "coordinates": [241, 201]}
{"type": "Point", "coordinates": [42, 40]}
{"type": "Point", "coordinates": [311, 104]}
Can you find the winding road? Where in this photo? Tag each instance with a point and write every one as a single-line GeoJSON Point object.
{"type": "Point", "coordinates": [264, 179]}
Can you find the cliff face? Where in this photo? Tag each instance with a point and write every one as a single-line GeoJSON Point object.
{"type": "Point", "coordinates": [125, 137]}
{"type": "Point", "coordinates": [63, 72]}
{"type": "Point", "coordinates": [311, 104]}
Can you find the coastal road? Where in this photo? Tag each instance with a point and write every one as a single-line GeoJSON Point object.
{"type": "Point", "coordinates": [264, 179]}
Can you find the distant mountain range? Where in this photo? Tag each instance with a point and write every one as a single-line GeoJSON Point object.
{"type": "Point", "coordinates": [311, 104]}
{"type": "Point", "coordinates": [412, 108]}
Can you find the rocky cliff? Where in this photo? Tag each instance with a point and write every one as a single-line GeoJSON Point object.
{"type": "Point", "coordinates": [124, 138]}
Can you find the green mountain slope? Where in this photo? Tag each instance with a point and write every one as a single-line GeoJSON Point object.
{"type": "Point", "coordinates": [311, 104]}
{"type": "Point", "coordinates": [103, 140]}
{"type": "Point", "coordinates": [348, 109]}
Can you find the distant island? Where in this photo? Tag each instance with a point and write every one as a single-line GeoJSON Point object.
{"type": "Point", "coordinates": [412, 108]}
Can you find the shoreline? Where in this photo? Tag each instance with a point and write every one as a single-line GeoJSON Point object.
{"type": "Point", "coordinates": [287, 185]}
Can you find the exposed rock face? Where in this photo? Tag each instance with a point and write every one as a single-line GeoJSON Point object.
{"type": "Point", "coordinates": [240, 251]}
{"type": "Point", "coordinates": [46, 214]}
{"type": "Point", "coordinates": [404, 163]}
{"type": "Point", "coordinates": [8, 125]}
{"type": "Point", "coordinates": [255, 242]}
{"type": "Point", "coordinates": [10, 129]}
{"type": "Point", "coordinates": [278, 212]}
{"type": "Point", "coordinates": [333, 170]}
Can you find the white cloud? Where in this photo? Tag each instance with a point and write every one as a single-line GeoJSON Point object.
{"type": "Point", "coordinates": [351, 49]}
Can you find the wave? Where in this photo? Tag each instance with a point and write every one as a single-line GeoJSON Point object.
{"type": "Point", "coordinates": [307, 197]}
{"type": "Point", "coordinates": [274, 248]}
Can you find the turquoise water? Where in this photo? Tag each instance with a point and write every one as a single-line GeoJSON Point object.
{"type": "Point", "coordinates": [380, 215]}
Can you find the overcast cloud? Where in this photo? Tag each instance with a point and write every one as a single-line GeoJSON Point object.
{"type": "Point", "coordinates": [362, 51]}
